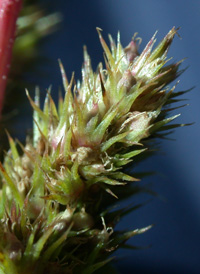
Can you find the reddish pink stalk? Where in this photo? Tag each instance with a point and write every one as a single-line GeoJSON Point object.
{"type": "Point", "coordinates": [9, 11]}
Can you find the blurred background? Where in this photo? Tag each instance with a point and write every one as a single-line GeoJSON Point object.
{"type": "Point", "coordinates": [173, 244]}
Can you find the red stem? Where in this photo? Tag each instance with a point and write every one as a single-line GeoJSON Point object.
{"type": "Point", "coordinates": [9, 11]}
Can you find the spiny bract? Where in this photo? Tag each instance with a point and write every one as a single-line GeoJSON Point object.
{"type": "Point", "coordinates": [54, 209]}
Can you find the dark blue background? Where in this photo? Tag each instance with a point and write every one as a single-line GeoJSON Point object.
{"type": "Point", "coordinates": [175, 238]}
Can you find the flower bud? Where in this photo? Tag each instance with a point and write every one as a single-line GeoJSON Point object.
{"type": "Point", "coordinates": [127, 81]}
{"type": "Point", "coordinates": [138, 126]}
{"type": "Point", "coordinates": [131, 51]}
{"type": "Point", "coordinates": [82, 220]}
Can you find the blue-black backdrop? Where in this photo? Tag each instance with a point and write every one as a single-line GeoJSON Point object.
{"type": "Point", "coordinates": [175, 238]}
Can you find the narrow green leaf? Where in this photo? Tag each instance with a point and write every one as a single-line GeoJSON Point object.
{"type": "Point", "coordinates": [56, 244]}
{"type": "Point", "coordinates": [37, 109]}
{"type": "Point", "coordinates": [123, 176]}
{"type": "Point", "coordinates": [124, 236]}
{"type": "Point", "coordinates": [157, 126]}
{"type": "Point", "coordinates": [29, 246]}
{"type": "Point", "coordinates": [102, 127]}
{"type": "Point", "coordinates": [131, 154]}
{"type": "Point", "coordinates": [113, 140]}
{"type": "Point", "coordinates": [16, 194]}
{"type": "Point", "coordinates": [39, 245]}
{"type": "Point", "coordinates": [164, 45]}
{"type": "Point", "coordinates": [15, 153]}
{"type": "Point", "coordinates": [106, 49]}
{"type": "Point", "coordinates": [2, 202]}
{"type": "Point", "coordinates": [53, 107]}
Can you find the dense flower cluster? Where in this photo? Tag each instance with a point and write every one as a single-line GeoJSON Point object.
{"type": "Point", "coordinates": [54, 202]}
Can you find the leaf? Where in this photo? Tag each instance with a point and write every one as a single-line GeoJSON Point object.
{"type": "Point", "coordinates": [123, 176]}
{"type": "Point", "coordinates": [106, 49]}
{"type": "Point", "coordinates": [158, 126]}
{"type": "Point", "coordinates": [102, 127]}
{"type": "Point", "coordinates": [124, 236]}
{"type": "Point", "coordinates": [37, 109]}
{"type": "Point", "coordinates": [39, 245]}
{"type": "Point", "coordinates": [12, 186]}
{"type": "Point", "coordinates": [56, 244]}
{"type": "Point", "coordinates": [164, 45]}
{"type": "Point", "coordinates": [132, 153]}
{"type": "Point", "coordinates": [2, 202]}
{"type": "Point", "coordinates": [15, 153]}
{"type": "Point", "coordinates": [113, 140]}
{"type": "Point", "coordinates": [105, 180]}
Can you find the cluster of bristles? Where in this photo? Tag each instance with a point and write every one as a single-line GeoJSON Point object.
{"type": "Point", "coordinates": [54, 208]}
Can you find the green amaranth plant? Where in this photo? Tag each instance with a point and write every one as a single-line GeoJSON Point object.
{"type": "Point", "coordinates": [56, 205]}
